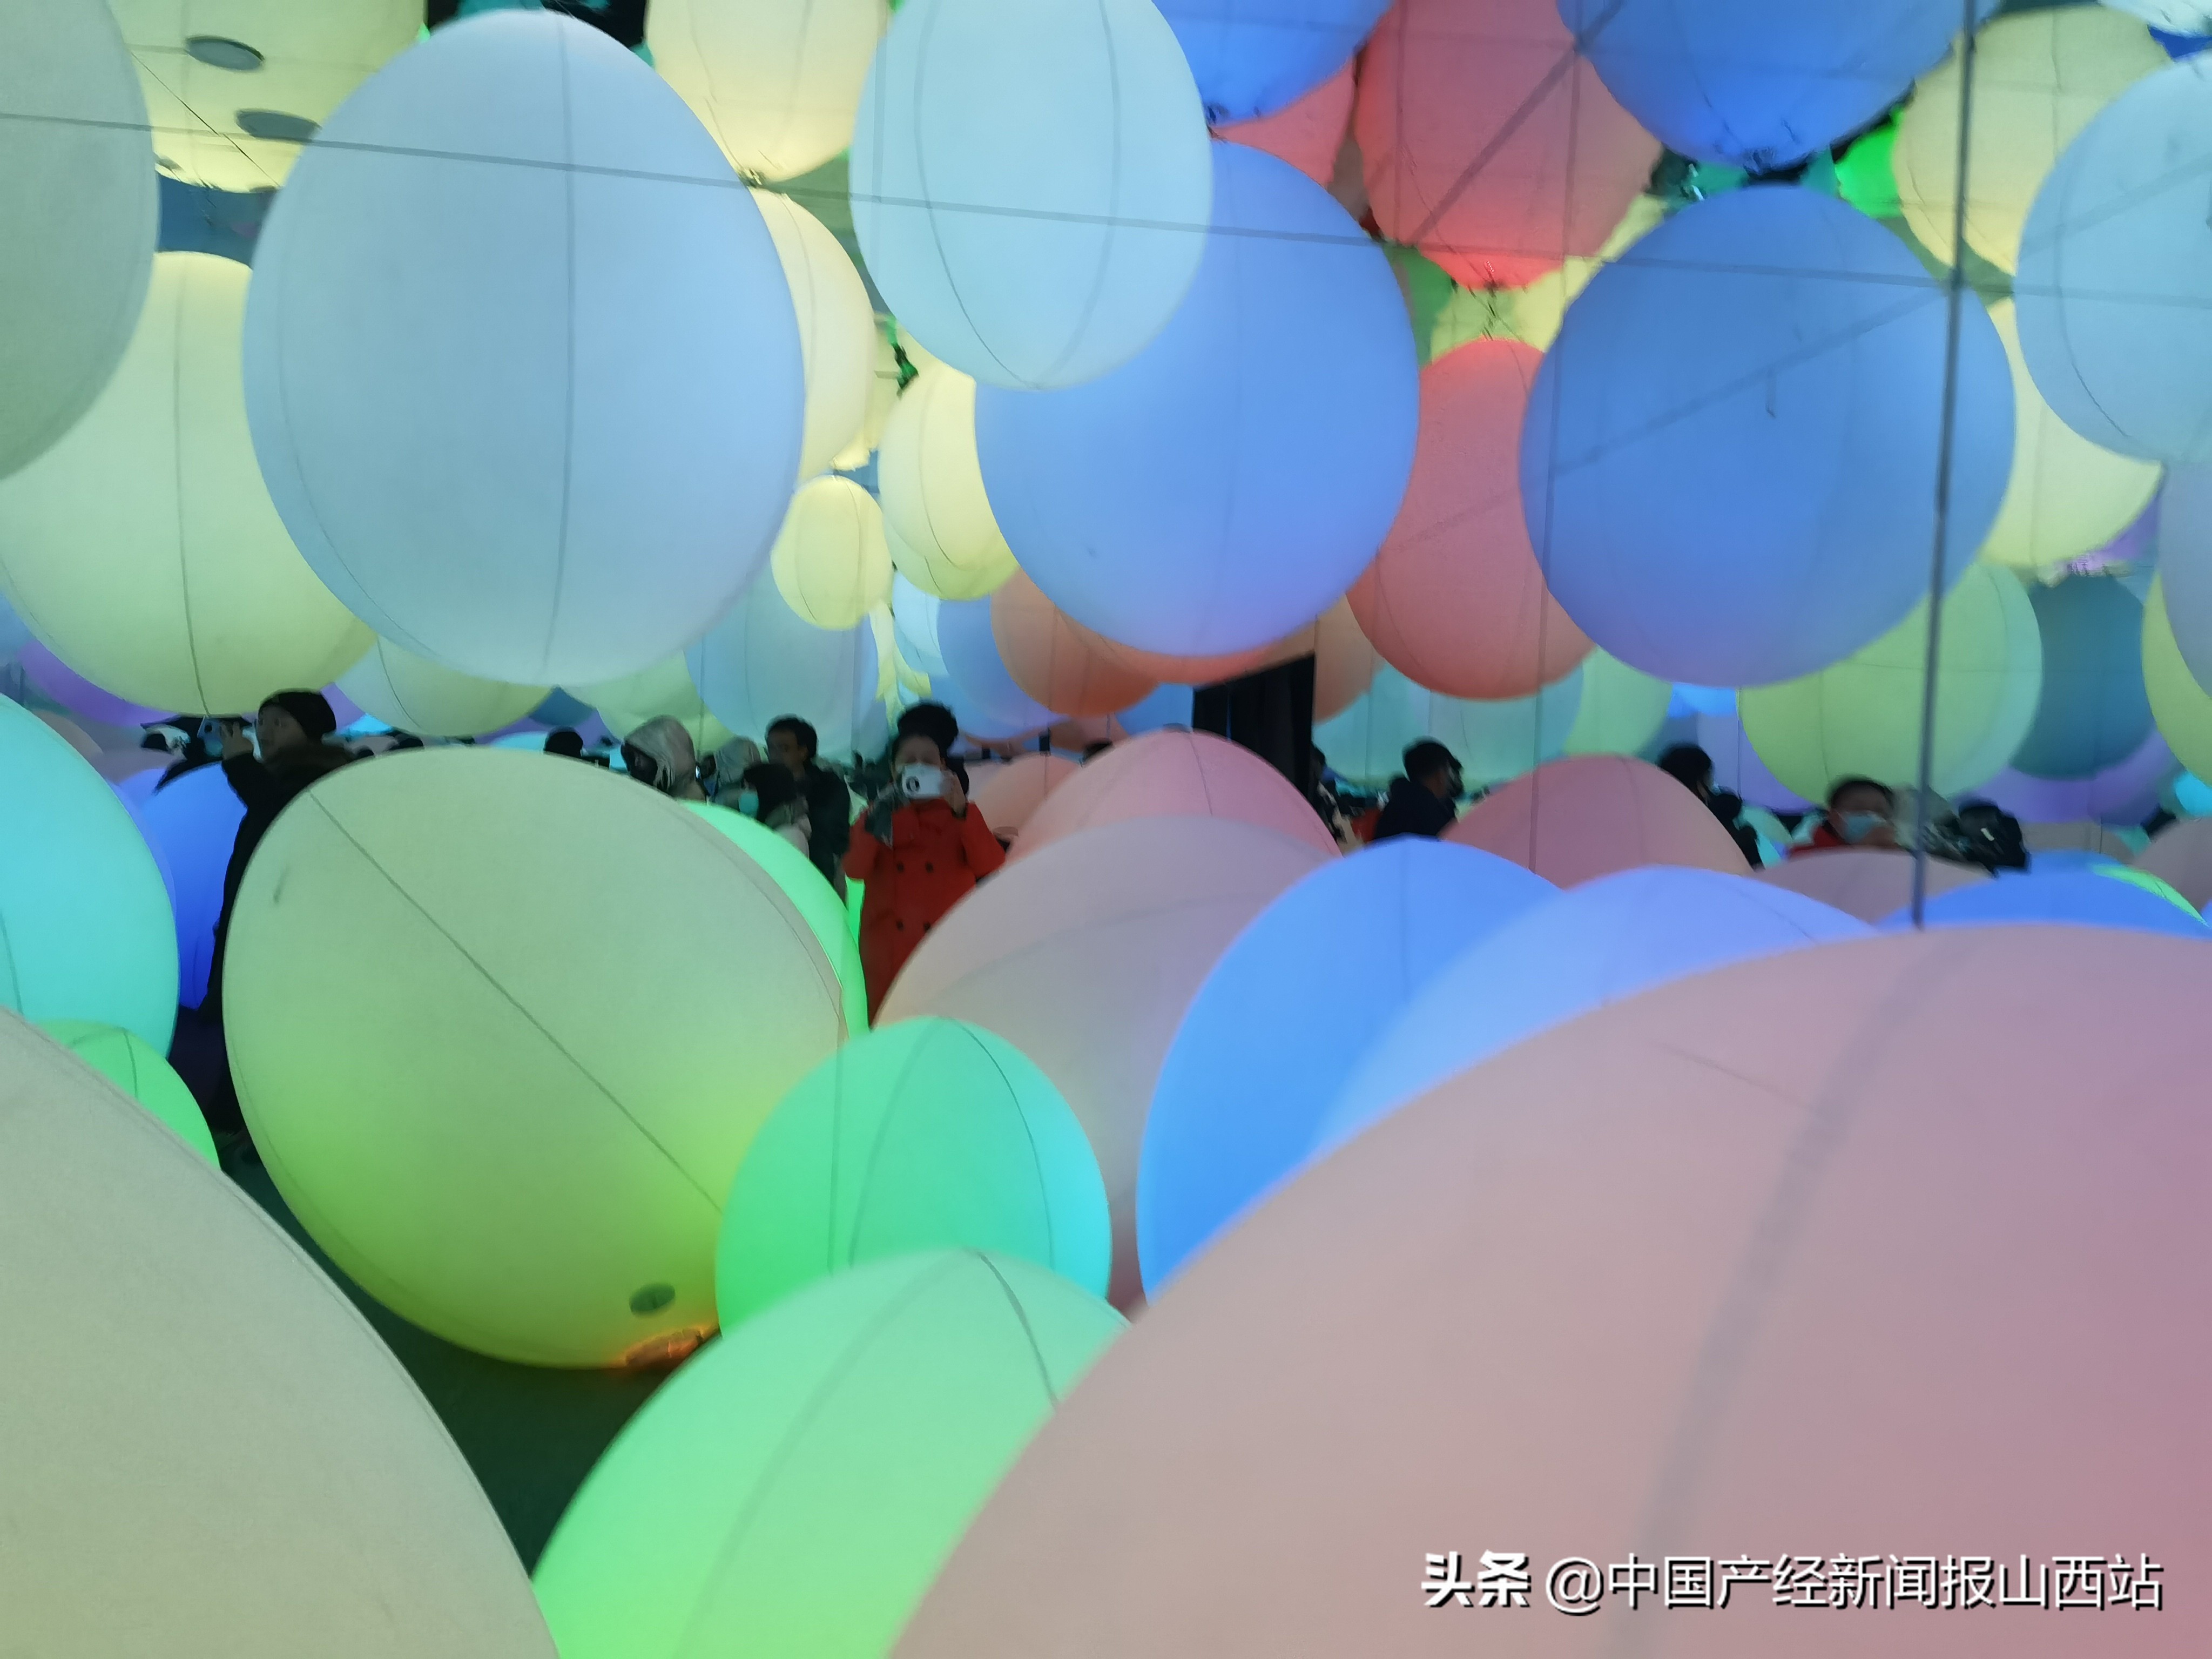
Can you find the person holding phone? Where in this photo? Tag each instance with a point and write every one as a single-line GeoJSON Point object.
{"type": "Point", "coordinates": [921, 847]}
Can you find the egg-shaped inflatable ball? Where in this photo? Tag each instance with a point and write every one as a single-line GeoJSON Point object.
{"type": "Point", "coordinates": [2180, 545]}
{"type": "Point", "coordinates": [413, 694]}
{"type": "Point", "coordinates": [2125, 793]}
{"type": "Point", "coordinates": [1586, 816]}
{"type": "Point", "coordinates": [1085, 955]}
{"type": "Point", "coordinates": [163, 1301]}
{"type": "Point", "coordinates": [2080, 897]}
{"type": "Point", "coordinates": [764, 660]}
{"type": "Point", "coordinates": [1176, 774]}
{"type": "Point", "coordinates": [1251, 60]}
{"type": "Point", "coordinates": [410, 1013]}
{"type": "Point", "coordinates": [86, 929]}
{"type": "Point", "coordinates": [1621, 709]}
{"type": "Point", "coordinates": [831, 561]}
{"type": "Point", "coordinates": [2093, 709]}
{"type": "Point", "coordinates": [776, 81]}
{"type": "Point", "coordinates": [1867, 883]}
{"type": "Point", "coordinates": [561, 433]}
{"type": "Point", "coordinates": [1554, 962]}
{"type": "Point", "coordinates": [837, 332]}
{"type": "Point", "coordinates": [930, 1134]}
{"type": "Point", "coordinates": [1218, 490]}
{"type": "Point", "coordinates": [1010, 797]}
{"type": "Point", "coordinates": [810, 895]}
{"type": "Point", "coordinates": [2181, 707]}
{"type": "Point", "coordinates": [1055, 660]}
{"type": "Point", "coordinates": [1813, 1152]}
{"type": "Point", "coordinates": [1260, 1056]}
{"type": "Point", "coordinates": [866, 1418]}
{"type": "Point", "coordinates": [1805, 340]}
{"type": "Point", "coordinates": [1030, 180]}
{"type": "Point", "coordinates": [125, 1060]}
{"type": "Point", "coordinates": [70, 296]}
{"type": "Point", "coordinates": [980, 689]}
{"type": "Point", "coordinates": [943, 537]}
{"type": "Point", "coordinates": [1496, 740]}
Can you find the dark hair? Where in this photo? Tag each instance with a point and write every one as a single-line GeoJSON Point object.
{"type": "Point", "coordinates": [1425, 756]}
{"type": "Point", "coordinates": [809, 738]}
{"type": "Point", "coordinates": [1842, 786]}
{"type": "Point", "coordinates": [1092, 750]}
{"type": "Point", "coordinates": [1689, 766]}
{"type": "Point", "coordinates": [929, 720]}
{"type": "Point", "coordinates": [566, 741]}
{"type": "Point", "coordinates": [311, 709]}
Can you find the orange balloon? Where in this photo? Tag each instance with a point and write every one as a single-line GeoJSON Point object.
{"type": "Point", "coordinates": [1175, 774]}
{"type": "Point", "coordinates": [1055, 659]}
{"type": "Point", "coordinates": [1308, 132]}
{"type": "Point", "coordinates": [1810, 1248]}
{"type": "Point", "coordinates": [1586, 816]}
{"type": "Point", "coordinates": [1488, 144]}
{"type": "Point", "coordinates": [1456, 601]}
{"type": "Point", "coordinates": [1009, 796]}
{"type": "Point", "coordinates": [1866, 882]}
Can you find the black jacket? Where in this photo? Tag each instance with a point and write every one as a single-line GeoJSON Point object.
{"type": "Point", "coordinates": [1411, 810]}
{"type": "Point", "coordinates": [267, 790]}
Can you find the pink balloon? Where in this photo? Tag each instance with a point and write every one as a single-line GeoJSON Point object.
{"type": "Point", "coordinates": [2125, 791]}
{"type": "Point", "coordinates": [1055, 659]}
{"type": "Point", "coordinates": [1308, 132]}
{"type": "Point", "coordinates": [1574, 820]}
{"type": "Point", "coordinates": [1171, 773]}
{"type": "Point", "coordinates": [1488, 144]}
{"type": "Point", "coordinates": [79, 695]}
{"type": "Point", "coordinates": [1814, 1248]}
{"type": "Point", "coordinates": [2180, 855]}
{"type": "Point", "coordinates": [1869, 882]}
{"type": "Point", "coordinates": [1009, 796]}
{"type": "Point", "coordinates": [1085, 956]}
{"type": "Point", "coordinates": [1454, 600]}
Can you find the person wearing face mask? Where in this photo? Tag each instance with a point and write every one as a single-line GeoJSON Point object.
{"type": "Point", "coordinates": [1860, 813]}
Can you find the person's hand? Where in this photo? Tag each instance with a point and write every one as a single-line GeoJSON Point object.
{"type": "Point", "coordinates": [236, 740]}
{"type": "Point", "coordinates": [953, 795]}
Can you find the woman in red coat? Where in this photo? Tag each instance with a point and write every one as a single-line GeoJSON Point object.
{"type": "Point", "coordinates": [920, 849]}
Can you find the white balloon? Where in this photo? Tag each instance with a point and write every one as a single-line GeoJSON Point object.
{"type": "Point", "coordinates": [776, 81]}
{"type": "Point", "coordinates": [763, 660]}
{"type": "Point", "coordinates": [411, 694]}
{"type": "Point", "coordinates": [837, 333]}
{"type": "Point", "coordinates": [1030, 182]}
{"type": "Point", "coordinates": [534, 413]}
{"type": "Point", "coordinates": [77, 196]}
{"type": "Point", "coordinates": [943, 537]}
{"type": "Point", "coordinates": [831, 561]}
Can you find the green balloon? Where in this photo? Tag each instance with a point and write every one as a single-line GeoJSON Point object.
{"type": "Point", "coordinates": [129, 1061]}
{"type": "Point", "coordinates": [928, 1134]}
{"type": "Point", "coordinates": [793, 1489]}
{"type": "Point", "coordinates": [815, 899]}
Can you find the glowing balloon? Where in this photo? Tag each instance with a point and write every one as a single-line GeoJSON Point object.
{"type": "Point", "coordinates": [776, 81]}
{"type": "Point", "coordinates": [2182, 549]}
{"type": "Point", "coordinates": [837, 333]}
{"type": "Point", "coordinates": [1170, 775]}
{"type": "Point", "coordinates": [810, 895]}
{"type": "Point", "coordinates": [1218, 490]}
{"type": "Point", "coordinates": [944, 537]}
{"type": "Point", "coordinates": [2181, 853]}
{"type": "Point", "coordinates": [1056, 660]}
{"type": "Point", "coordinates": [1029, 181]}
{"type": "Point", "coordinates": [413, 694]}
{"type": "Point", "coordinates": [868, 1417]}
{"type": "Point", "coordinates": [1827, 392]}
{"type": "Point", "coordinates": [2039, 77]}
{"type": "Point", "coordinates": [2126, 792]}
{"type": "Point", "coordinates": [562, 432]}
{"type": "Point", "coordinates": [192, 824]}
{"type": "Point", "coordinates": [665, 688]}
{"type": "Point", "coordinates": [132, 1066]}
{"type": "Point", "coordinates": [1254, 58]}
{"type": "Point", "coordinates": [2181, 707]}
{"type": "Point", "coordinates": [928, 1135]}
{"type": "Point", "coordinates": [413, 1007]}
{"type": "Point", "coordinates": [1456, 601]}
{"type": "Point", "coordinates": [1862, 717]}
{"type": "Point", "coordinates": [2082, 898]}
{"type": "Point", "coordinates": [2093, 709]}
{"type": "Point", "coordinates": [1308, 132]}
{"type": "Point", "coordinates": [2116, 273]}
{"type": "Point", "coordinates": [1621, 709]}
{"type": "Point", "coordinates": [831, 561]}
{"type": "Point", "coordinates": [48, 674]}
{"type": "Point", "coordinates": [1260, 1057]}
{"type": "Point", "coordinates": [1009, 798]}
{"type": "Point", "coordinates": [915, 614]}
{"type": "Point", "coordinates": [1085, 956]}
{"type": "Point", "coordinates": [1503, 738]}
{"type": "Point", "coordinates": [980, 689]}
{"type": "Point", "coordinates": [1574, 820]}
{"type": "Point", "coordinates": [86, 931]}
{"type": "Point", "coordinates": [763, 660]}
{"type": "Point", "coordinates": [1865, 882]}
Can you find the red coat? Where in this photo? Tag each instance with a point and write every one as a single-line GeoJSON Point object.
{"type": "Point", "coordinates": [934, 861]}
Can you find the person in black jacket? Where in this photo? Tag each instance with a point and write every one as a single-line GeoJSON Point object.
{"type": "Point", "coordinates": [1425, 800]}
{"type": "Point", "coordinates": [1693, 767]}
{"type": "Point", "coordinates": [792, 744]}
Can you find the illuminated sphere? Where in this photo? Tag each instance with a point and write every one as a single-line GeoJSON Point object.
{"type": "Point", "coordinates": [837, 333]}
{"type": "Point", "coordinates": [831, 561]}
{"type": "Point", "coordinates": [1029, 181]}
{"type": "Point", "coordinates": [1345, 662]}
{"type": "Point", "coordinates": [128, 1062]}
{"type": "Point", "coordinates": [1489, 143]}
{"type": "Point", "coordinates": [1574, 820]}
{"type": "Point", "coordinates": [1267, 1043]}
{"type": "Point", "coordinates": [2040, 77]}
{"type": "Point", "coordinates": [2181, 856]}
{"type": "Point", "coordinates": [867, 1419]}
{"type": "Point", "coordinates": [70, 296]}
{"type": "Point", "coordinates": [1365, 741]}
{"type": "Point", "coordinates": [2182, 529]}
{"type": "Point", "coordinates": [2116, 274]}
{"type": "Point", "coordinates": [1223, 486]}
{"type": "Point", "coordinates": [2125, 793]}
{"type": "Point", "coordinates": [977, 684]}
{"type": "Point", "coordinates": [1170, 775]}
{"type": "Point", "coordinates": [775, 81]}
{"type": "Point", "coordinates": [1621, 709]}
{"type": "Point", "coordinates": [763, 660]}
{"type": "Point", "coordinates": [1056, 660]}
{"type": "Point", "coordinates": [192, 825]}
{"type": "Point", "coordinates": [1868, 883]}
{"type": "Point", "coordinates": [1454, 600]}
{"type": "Point", "coordinates": [2093, 709]}
{"type": "Point", "coordinates": [413, 1008]}
{"type": "Point", "coordinates": [1860, 717]}
{"type": "Point", "coordinates": [1308, 132]}
{"type": "Point", "coordinates": [560, 432]}
{"type": "Point", "coordinates": [163, 1300]}
{"type": "Point", "coordinates": [1745, 84]}
{"type": "Point", "coordinates": [914, 615]}
{"type": "Point", "coordinates": [628, 702]}
{"type": "Point", "coordinates": [2181, 707]}
{"type": "Point", "coordinates": [1085, 954]}
{"type": "Point", "coordinates": [84, 914]}
{"type": "Point", "coordinates": [1009, 798]}
{"type": "Point", "coordinates": [925, 1135]}
{"type": "Point", "coordinates": [2082, 898]}
{"type": "Point", "coordinates": [2066, 496]}
{"type": "Point", "coordinates": [47, 674]}
{"type": "Point", "coordinates": [1818, 542]}
{"type": "Point", "coordinates": [1813, 1153]}
{"type": "Point", "coordinates": [1607, 939]}
{"type": "Point", "coordinates": [1495, 740]}
{"type": "Point", "coordinates": [1250, 60]}
{"type": "Point", "coordinates": [413, 694]}
{"type": "Point", "coordinates": [810, 895]}
{"type": "Point", "coordinates": [944, 537]}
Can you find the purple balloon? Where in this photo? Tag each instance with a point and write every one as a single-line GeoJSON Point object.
{"type": "Point", "coordinates": [2124, 793]}
{"type": "Point", "coordinates": [347, 710]}
{"type": "Point", "coordinates": [79, 695]}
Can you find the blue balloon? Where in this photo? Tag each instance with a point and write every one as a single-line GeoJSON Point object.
{"type": "Point", "coordinates": [1596, 944]}
{"type": "Point", "coordinates": [1284, 1015]}
{"type": "Point", "coordinates": [1226, 484]}
{"type": "Point", "coordinates": [982, 692]}
{"type": "Point", "coordinates": [1250, 57]}
{"type": "Point", "coordinates": [2093, 710]}
{"type": "Point", "coordinates": [1729, 460]}
{"type": "Point", "coordinates": [192, 824]}
{"type": "Point", "coordinates": [2082, 897]}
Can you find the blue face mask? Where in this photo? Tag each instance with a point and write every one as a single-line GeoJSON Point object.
{"type": "Point", "coordinates": [749, 802]}
{"type": "Point", "coordinates": [1857, 826]}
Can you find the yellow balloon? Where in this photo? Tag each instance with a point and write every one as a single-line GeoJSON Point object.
{"type": "Point", "coordinates": [143, 547]}
{"type": "Point", "coordinates": [944, 537]}
{"type": "Point", "coordinates": [831, 561]}
{"type": "Point", "coordinates": [776, 81]}
{"type": "Point", "coordinates": [2182, 708]}
{"type": "Point", "coordinates": [837, 333]}
{"type": "Point", "coordinates": [1860, 717]}
{"type": "Point", "coordinates": [665, 688]}
{"type": "Point", "coordinates": [236, 87]}
{"type": "Point", "coordinates": [2066, 495]}
{"type": "Point", "coordinates": [1621, 710]}
{"type": "Point", "coordinates": [414, 694]}
{"type": "Point", "coordinates": [2039, 77]}
{"type": "Point", "coordinates": [883, 398]}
